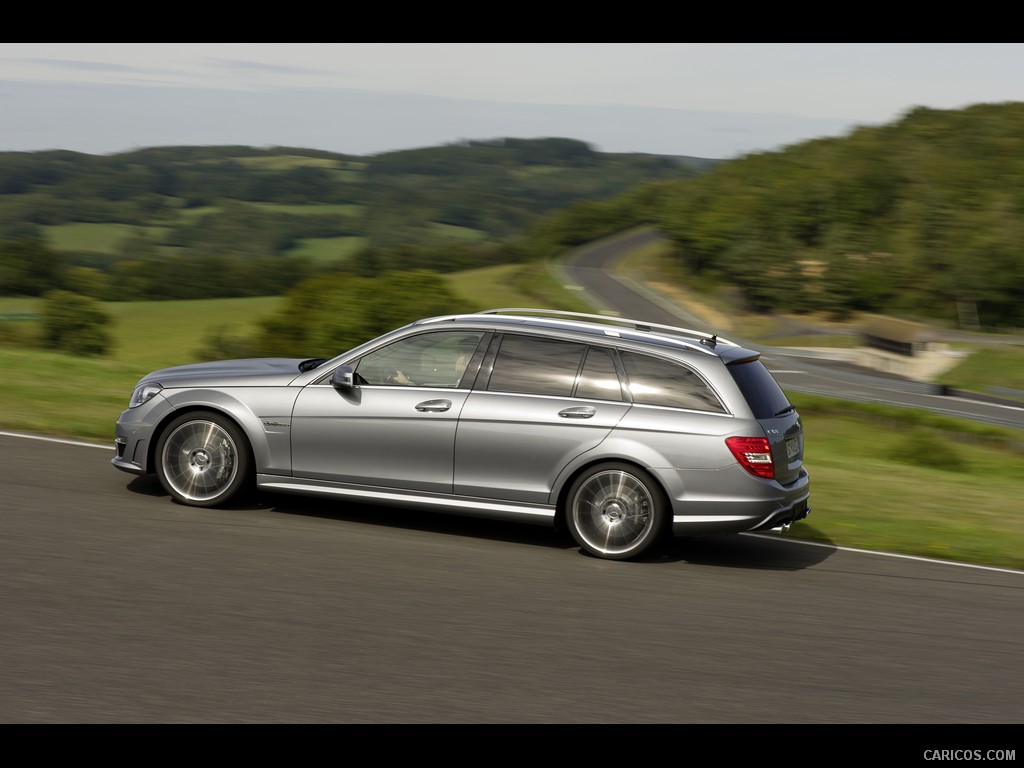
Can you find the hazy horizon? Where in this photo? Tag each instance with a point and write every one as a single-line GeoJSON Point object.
{"type": "Point", "coordinates": [709, 100]}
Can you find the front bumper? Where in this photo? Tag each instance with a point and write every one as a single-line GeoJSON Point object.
{"type": "Point", "coordinates": [133, 432]}
{"type": "Point", "coordinates": [125, 456]}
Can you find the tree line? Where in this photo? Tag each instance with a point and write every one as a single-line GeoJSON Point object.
{"type": "Point", "coordinates": [230, 221]}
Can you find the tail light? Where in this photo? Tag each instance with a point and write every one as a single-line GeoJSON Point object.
{"type": "Point", "coordinates": [754, 454]}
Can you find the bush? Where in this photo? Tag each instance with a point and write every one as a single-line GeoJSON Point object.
{"type": "Point", "coordinates": [220, 344]}
{"type": "Point", "coordinates": [328, 314]}
{"type": "Point", "coordinates": [75, 323]}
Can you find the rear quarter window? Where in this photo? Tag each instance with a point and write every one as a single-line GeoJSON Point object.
{"type": "Point", "coordinates": [654, 381]}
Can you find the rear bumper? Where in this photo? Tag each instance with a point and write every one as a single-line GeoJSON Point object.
{"type": "Point", "coordinates": [748, 505]}
{"type": "Point", "coordinates": [781, 520]}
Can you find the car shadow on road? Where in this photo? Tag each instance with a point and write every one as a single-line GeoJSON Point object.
{"type": "Point", "coordinates": [414, 519]}
{"type": "Point", "coordinates": [146, 485]}
{"type": "Point", "coordinates": [768, 551]}
{"type": "Point", "coordinates": [758, 551]}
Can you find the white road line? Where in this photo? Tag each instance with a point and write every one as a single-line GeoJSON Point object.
{"type": "Point", "coordinates": [889, 554]}
{"type": "Point", "coordinates": [58, 440]}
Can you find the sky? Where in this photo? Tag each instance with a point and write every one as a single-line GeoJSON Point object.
{"type": "Point", "coordinates": [710, 100]}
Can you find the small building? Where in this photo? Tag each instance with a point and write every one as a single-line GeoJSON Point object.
{"type": "Point", "coordinates": [901, 337]}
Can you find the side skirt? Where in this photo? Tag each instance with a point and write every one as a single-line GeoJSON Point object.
{"type": "Point", "coordinates": [458, 505]}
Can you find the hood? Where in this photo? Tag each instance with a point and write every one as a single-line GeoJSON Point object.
{"type": "Point", "coordinates": [255, 372]}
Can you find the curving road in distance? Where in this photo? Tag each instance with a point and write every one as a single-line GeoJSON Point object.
{"type": "Point", "coordinates": [592, 269]}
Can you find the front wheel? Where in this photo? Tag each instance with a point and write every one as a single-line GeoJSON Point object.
{"type": "Point", "coordinates": [615, 511]}
{"type": "Point", "coordinates": [202, 459]}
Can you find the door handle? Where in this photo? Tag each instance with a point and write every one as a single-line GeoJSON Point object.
{"type": "Point", "coordinates": [579, 412]}
{"type": "Point", "coordinates": [434, 406]}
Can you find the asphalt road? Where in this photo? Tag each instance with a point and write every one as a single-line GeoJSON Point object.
{"type": "Point", "coordinates": [119, 606]}
{"type": "Point", "coordinates": [591, 269]}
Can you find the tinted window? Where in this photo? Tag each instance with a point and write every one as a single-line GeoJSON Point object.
{"type": "Point", "coordinates": [653, 381]}
{"type": "Point", "coordinates": [599, 379]}
{"type": "Point", "coordinates": [536, 366]}
{"type": "Point", "coordinates": [763, 394]}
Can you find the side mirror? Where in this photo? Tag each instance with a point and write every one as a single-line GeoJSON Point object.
{"type": "Point", "coordinates": [343, 377]}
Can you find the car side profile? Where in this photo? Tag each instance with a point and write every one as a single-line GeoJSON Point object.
{"type": "Point", "coordinates": [624, 432]}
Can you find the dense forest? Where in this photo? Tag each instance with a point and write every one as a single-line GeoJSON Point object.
{"type": "Point", "coordinates": [923, 217]}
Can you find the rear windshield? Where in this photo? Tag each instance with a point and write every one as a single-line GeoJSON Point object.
{"type": "Point", "coordinates": [763, 394]}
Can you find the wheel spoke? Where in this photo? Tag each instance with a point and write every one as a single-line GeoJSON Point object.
{"type": "Point", "coordinates": [200, 460]}
{"type": "Point", "coordinates": [612, 511]}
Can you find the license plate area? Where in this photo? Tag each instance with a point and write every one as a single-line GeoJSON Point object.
{"type": "Point", "coordinates": [792, 447]}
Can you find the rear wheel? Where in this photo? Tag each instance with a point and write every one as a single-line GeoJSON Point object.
{"type": "Point", "coordinates": [615, 511]}
{"type": "Point", "coordinates": [202, 459]}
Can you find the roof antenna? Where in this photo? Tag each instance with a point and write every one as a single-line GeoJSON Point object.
{"type": "Point", "coordinates": [710, 342]}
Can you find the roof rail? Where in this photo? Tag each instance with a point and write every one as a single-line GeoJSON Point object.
{"type": "Point", "coordinates": [708, 339]}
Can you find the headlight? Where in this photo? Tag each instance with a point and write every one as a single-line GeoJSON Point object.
{"type": "Point", "coordinates": [143, 393]}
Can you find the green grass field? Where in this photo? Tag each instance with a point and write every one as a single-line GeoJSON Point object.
{"type": "Point", "coordinates": [342, 211]}
{"type": "Point", "coordinates": [100, 238]}
{"type": "Point", "coordinates": [111, 238]}
{"type": "Point", "coordinates": [151, 333]}
{"type": "Point", "coordinates": [887, 479]}
{"type": "Point", "coordinates": [998, 370]}
{"type": "Point", "coordinates": [513, 285]}
{"type": "Point", "coordinates": [328, 250]}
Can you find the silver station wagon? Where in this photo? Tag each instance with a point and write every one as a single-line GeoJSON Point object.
{"type": "Point", "coordinates": [622, 431]}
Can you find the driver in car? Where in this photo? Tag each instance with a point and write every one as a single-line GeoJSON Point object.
{"type": "Point", "coordinates": [465, 352]}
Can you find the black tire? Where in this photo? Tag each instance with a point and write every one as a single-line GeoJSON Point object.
{"type": "Point", "coordinates": [203, 459]}
{"type": "Point", "coordinates": [615, 511]}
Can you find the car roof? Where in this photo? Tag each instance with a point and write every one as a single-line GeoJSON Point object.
{"type": "Point", "coordinates": [599, 326]}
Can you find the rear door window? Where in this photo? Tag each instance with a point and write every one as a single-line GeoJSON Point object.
{"type": "Point", "coordinates": [536, 366]}
{"type": "Point", "coordinates": [599, 380]}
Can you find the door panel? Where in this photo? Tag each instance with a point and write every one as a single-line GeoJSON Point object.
{"type": "Point", "coordinates": [393, 437]}
{"type": "Point", "coordinates": [513, 446]}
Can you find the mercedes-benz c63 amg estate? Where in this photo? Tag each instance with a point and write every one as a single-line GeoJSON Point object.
{"type": "Point", "coordinates": [620, 430]}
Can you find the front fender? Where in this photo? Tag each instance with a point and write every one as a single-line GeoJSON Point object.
{"type": "Point", "coordinates": [264, 415]}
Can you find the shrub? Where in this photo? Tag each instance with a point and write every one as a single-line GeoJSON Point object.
{"type": "Point", "coordinates": [75, 323]}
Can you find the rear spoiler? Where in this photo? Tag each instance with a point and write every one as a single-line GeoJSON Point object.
{"type": "Point", "coordinates": [735, 355]}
